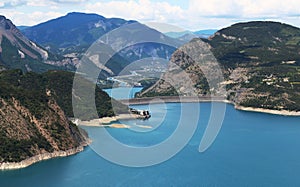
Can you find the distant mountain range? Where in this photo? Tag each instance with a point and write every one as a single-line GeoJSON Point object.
{"type": "Point", "coordinates": [22, 27]}
{"type": "Point", "coordinates": [201, 33]}
{"type": "Point", "coordinates": [73, 34]}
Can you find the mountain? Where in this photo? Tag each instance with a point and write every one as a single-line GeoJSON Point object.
{"type": "Point", "coordinates": [73, 34]}
{"type": "Point", "coordinates": [61, 85]}
{"type": "Point", "coordinates": [245, 44]}
{"type": "Point", "coordinates": [22, 27]}
{"type": "Point", "coordinates": [196, 34]}
{"type": "Point", "coordinates": [34, 112]}
{"type": "Point", "coordinates": [205, 33]}
{"type": "Point", "coordinates": [18, 52]}
{"type": "Point", "coordinates": [260, 62]}
{"type": "Point", "coordinates": [31, 121]}
{"type": "Point", "coordinates": [177, 34]}
{"type": "Point", "coordinates": [75, 31]}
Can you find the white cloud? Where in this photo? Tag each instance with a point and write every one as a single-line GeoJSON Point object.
{"type": "Point", "coordinates": [18, 18]}
{"type": "Point", "coordinates": [269, 8]}
{"type": "Point", "coordinates": [11, 3]}
{"type": "Point", "coordinates": [37, 3]}
{"type": "Point", "coordinates": [223, 13]}
{"type": "Point", "coordinates": [39, 17]}
{"type": "Point", "coordinates": [144, 10]}
{"type": "Point", "coordinates": [199, 14]}
{"type": "Point", "coordinates": [70, 1]}
{"type": "Point", "coordinates": [244, 8]}
{"type": "Point", "coordinates": [40, 3]}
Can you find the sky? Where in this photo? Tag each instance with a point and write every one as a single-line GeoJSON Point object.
{"type": "Point", "coordinates": [186, 14]}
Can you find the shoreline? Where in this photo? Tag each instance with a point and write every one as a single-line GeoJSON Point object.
{"type": "Point", "coordinates": [105, 121]}
{"type": "Point", "coordinates": [42, 157]}
{"type": "Point", "coordinates": [174, 99]}
{"type": "Point", "coordinates": [267, 111]}
{"type": "Point", "coordinates": [109, 121]}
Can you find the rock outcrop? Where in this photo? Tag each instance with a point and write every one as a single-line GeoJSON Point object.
{"type": "Point", "coordinates": [259, 61]}
{"type": "Point", "coordinates": [33, 126]}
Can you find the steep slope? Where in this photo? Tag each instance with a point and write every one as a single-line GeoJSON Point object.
{"type": "Point", "coordinates": [260, 63]}
{"type": "Point", "coordinates": [17, 51]}
{"type": "Point", "coordinates": [73, 34]}
{"type": "Point", "coordinates": [31, 121]}
{"type": "Point", "coordinates": [61, 85]}
{"type": "Point", "coordinates": [261, 43]}
{"type": "Point", "coordinates": [34, 110]}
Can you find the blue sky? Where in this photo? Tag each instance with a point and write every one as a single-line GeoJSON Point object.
{"type": "Point", "coordinates": [186, 14]}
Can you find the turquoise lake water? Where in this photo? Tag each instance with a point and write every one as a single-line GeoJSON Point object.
{"type": "Point", "coordinates": [252, 149]}
{"type": "Point", "coordinates": [123, 92]}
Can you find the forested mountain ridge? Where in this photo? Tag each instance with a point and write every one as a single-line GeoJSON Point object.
{"type": "Point", "coordinates": [260, 62]}
{"type": "Point", "coordinates": [34, 112]}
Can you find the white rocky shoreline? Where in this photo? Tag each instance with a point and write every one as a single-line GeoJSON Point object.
{"type": "Point", "coordinates": [41, 157]}
{"type": "Point", "coordinates": [268, 111]}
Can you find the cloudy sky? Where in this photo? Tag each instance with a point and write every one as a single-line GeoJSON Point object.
{"type": "Point", "coordinates": [187, 14]}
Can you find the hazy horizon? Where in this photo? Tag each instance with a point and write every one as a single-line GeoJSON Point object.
{"type": "Point", "coordinates": [188, 15]}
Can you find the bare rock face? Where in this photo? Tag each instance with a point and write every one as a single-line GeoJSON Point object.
{"type": "Point", "coordinates": [38, 158]}
{"type": "Point", "coordinates": [259, 61]}
{"type": "Point", "coordinates": [18, 52]}
{"type": "Point", "coordinates": [28, 130]}
{"type": "Point", "coordinates": [192, 71]}
{"type": "Point", "coordinates": [24, 135]}
{"type": "Point", "coordinates": [17, 39]}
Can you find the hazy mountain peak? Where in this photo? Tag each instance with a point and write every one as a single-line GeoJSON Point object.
{"type": "Point", "coordinates": [17, 51]}
{"type": "Point", "coordinates": [73, 29]}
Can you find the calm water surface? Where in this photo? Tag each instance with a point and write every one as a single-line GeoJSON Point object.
{"type": "Point", "coordinates": [123, 92]}
{"type": "Point", "coordinates": [252, 149]}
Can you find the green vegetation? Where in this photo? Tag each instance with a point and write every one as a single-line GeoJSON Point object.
{"type": "Point", "coordinates": [25, 88]}
{"type": "Point", "coordinates": [74, 29]}
{"type": "Point", "coordinates": [260, 63]}
{"type": "Point", "coordinates": [37, 95]}
{"type": "Point", "coordinates": [30, 90]}
{"type": "Point", "coordinates": [61, 84]}
{"type": "Point", "coordinates": [279, 83]}
{"type": "Point", "coordinates": [245, 44]}
{"type": "Point", "coordinates": [11, 59]}
{"type": "Point", "coordinates": [13, 150]}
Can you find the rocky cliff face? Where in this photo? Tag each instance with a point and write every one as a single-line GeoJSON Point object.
{"type": "Point", "coordinates": [25, 47]}
{"type": "Point", "coordinates": [192, 71]}
{"type": "Point", "coordinates": [17, 51]}
{"type": "Point", "coordinates": [31, 121]}
{"type": "Point", "coordinates": [39, 157]}
{"type": "Point", "coordinates": [24, 135]}
{"type": "Point", "coordinates": [259, 61]}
